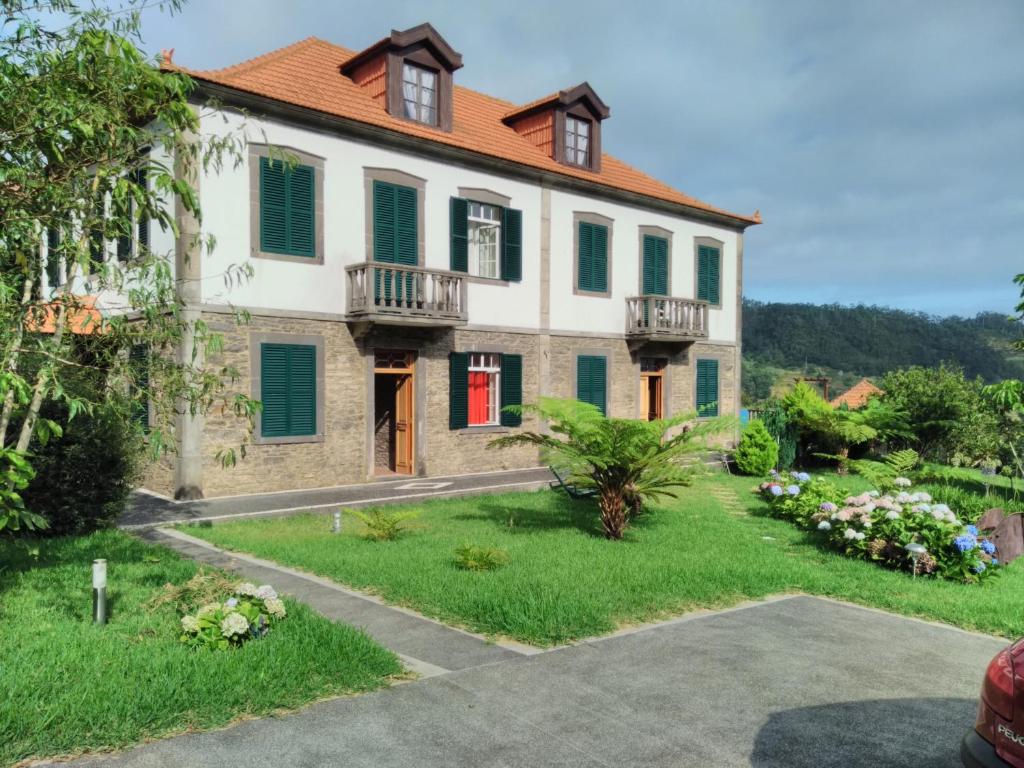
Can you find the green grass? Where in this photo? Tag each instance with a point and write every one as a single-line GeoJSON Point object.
{"type": "Point", "coordinates": [564, 581]}
{"type": "Point", "coordinates": [69, 686]}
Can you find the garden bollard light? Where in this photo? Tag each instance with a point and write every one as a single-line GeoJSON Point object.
{"type": "Point", "coordinates": [337, 523]}
{"type": "Point", "coordinates": [915, 550]}
{"type": "Point", "coordinates": [99, 591]}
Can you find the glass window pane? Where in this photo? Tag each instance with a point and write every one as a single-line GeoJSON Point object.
{"type": "Point", "coordinates": [583, 128]}
{"type": "Point", "coordinates": [411, 110]}
{"type": "Point", "coordinates": [427, 79]}
{"type": "Point", "coordinates": [409, 74]}
{"type": "Point", "coordinates": [428, 115]}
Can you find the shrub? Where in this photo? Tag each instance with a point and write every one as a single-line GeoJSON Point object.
{"type": "Point", "coordinates": [382, 525]}
{"type": "Point", "coordinates": [471, 557]}
{"type": "Point", "coordinates": [878, 527]}
{"type": "Point", "coordinates": [84, 476]}
{"type": "Point", "coordinates": [782, 430]}
{"type": "Point", "coordinates": [757, 451]}
{"type": "Point", "coordinates": [247, 615]}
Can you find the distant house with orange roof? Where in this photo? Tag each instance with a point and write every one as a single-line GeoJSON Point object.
{"type": "Point", "coordinates": [857, 396]}
{"type": "Point", "coordinates": [431, 254]}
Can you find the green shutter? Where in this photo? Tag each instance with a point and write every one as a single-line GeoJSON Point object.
{"type": "Point", "coordinates": [138, 358]}
{"type": "Point", "coordinates": [287, 208]}
{"type": "Point", "coordinates": [395, 230]}
{"type": "Point", "coordinates": [458, 390]}
{"type": "Point", "coordinates": [383, 222]}
{"type": "Point", "coordinates": [273, 207]}
{"type": "Point", "coordinates": [53, 247]}
{"type": "Point", "coordinates": [591, 380]}
{"type": "Point", "coordinates": [406, 251]}
{"type": "Point", "coordinates": [707, 387]}
{"type": "Point", "coordinates": [511, 388]}
{"type": "Point", "coordinates": [458, 217]}
{"type": "Point", "coordinates": [512, 244]}
{"type": "Point", "coordinates": [585, 257]}
{"type": "Point", "coordinates": [709, 261]}
{"type": "Point", "coordinates": [288, 390]}
{"type": "Point", "coordinates": [600, 258]}
{"type": "Point", "coordinates": [142, 225]}
{"type": "Point", "coordinates": [301, 211]}
{"type": "Point", "coordinates": [655, 265]}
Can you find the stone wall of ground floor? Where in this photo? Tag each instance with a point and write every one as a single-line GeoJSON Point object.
{"type": "Point", "coordinates": [347, 451]}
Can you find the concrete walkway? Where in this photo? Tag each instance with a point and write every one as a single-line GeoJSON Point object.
{"type": "Point", "coordinates": [147, 510]}
{"type": "Point", "coordinates": [795, 682]}
{"type": "Point", "coordinates": [425, 646]}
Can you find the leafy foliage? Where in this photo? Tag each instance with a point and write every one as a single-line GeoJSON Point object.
{"type": "Point", "coordinates": [782, 430]}
{"type": "Point", "coordinates": [382, 525]}
{"type": "Point", "coordinates": [883, 474]}
{"type": "Point", "coordinates": [471, 557]}
{"type": "Point", "coordinates": [757, 451]}
{"type": "Point", "coordinates": [626, 461]}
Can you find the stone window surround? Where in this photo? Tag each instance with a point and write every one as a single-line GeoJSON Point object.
{"type": "Point", "coordinates": [664, 234]}
{"type": "Point", "coordinates": [486, 196]}
{"type": "Point", "coordinates": [609, 356]}
{"type": "Point", "coordinates": [256, 339]}
{"type": "Point", "coordinates": [721, 362]}
{"type": "Point", "coordinates": [589, 218]}
{"type": "Point", "coordinates": [256, 151]}
{"type": "Point", "coordinates": [720, 245]}
{"type": "Point", "coordinates": [393, 176]}
{"type": "Point", "coordinates": [499, 349]}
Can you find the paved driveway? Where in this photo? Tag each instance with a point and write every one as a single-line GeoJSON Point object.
{"type": "Point", "coordinates": [795, 682]}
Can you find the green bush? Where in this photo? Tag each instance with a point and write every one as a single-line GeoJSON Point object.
{"type": "Point", "coordinates": [774, 418]}
{"type": "Point", "coordinates": [757, 451]}
{"type": "Point", "coordinates": [470, 557]}
{"type": "Point", "coordinates": [83, 478]}
{"type": "Point", "coordinates": [382, 525]}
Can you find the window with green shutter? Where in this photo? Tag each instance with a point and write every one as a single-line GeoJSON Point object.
{"type": "Point", "coordinates": [655, 265]}
{"type": "Point", "coordinates": [709, 283]}
{"type": "Point", "coordinates": [458, 219]}
{"type": "Point", "coordinates": [472, 389]}
{"type": "Point", "coordinates": [287, 208]}
{"type": "Point", "coordinates": [138, 359]}
{"type": "Point", "coordinates": [707, 387]}
{"type": "Point", "coordinates": [395, 234]}
{"type": "Point", "coordinates": [511, 244]}
{"type": "Point", "coordinates": [511, 388]}
{"type": "Point", "coordinates": [288, 390]}
{"type": "Point", "coordinates": [592, 380]}
{"type": "Point", "coordinates": [458, 390]}
{"type": "Point", "coordinates": [592, 257]}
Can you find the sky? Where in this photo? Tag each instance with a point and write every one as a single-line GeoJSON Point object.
{"type": "Point", "coordinates": [883, 142]}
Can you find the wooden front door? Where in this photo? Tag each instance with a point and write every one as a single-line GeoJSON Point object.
{"type": "Point", "coordinates": [403, 445]}
{"type": "Point", "coordinates": [652, 377]}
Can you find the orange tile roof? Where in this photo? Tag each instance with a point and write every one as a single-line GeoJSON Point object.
{"type": "Point", "coordinates": [857, 396]}
{"type": "Point", "coordinates": [83, 318]}
{"type": "Point", "coordinates": [307, 74]}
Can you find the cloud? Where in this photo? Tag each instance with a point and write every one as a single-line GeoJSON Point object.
{"type": "Point", "coordinates": [882, 141]}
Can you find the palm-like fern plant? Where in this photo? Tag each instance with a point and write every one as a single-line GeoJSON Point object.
{"type": "Point", "coordinates": [626, 461]}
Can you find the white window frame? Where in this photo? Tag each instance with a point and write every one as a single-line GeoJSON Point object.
{"type": "Point", "coordinates": [490, 363]}
{"type": "Point", "coordinates": [412, 84]}
{"type": "Point", "coordinates": [577, 133]}
{"type": "Point", "coordinates": [484, 217]}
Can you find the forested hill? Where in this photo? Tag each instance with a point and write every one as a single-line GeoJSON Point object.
{"type": "Point", "coordinates": [869, 341]}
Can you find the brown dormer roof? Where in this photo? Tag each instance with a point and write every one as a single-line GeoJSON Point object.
{"type": "Point", "coordinates": [568, 96]}
{"type": "Point", "coordinates": [307, 74]}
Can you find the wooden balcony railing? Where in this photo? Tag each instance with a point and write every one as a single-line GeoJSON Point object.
{"type": "Point", "coordinates": [395, 294]}
{"type": "Point", "coordinates": [666, 318]}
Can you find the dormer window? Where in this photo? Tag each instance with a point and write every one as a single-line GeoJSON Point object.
{"type": "Point", "coordinates": [419, 93]}
{"type": "Point", "coordinates": [409, 74]}
{"type": "Point", "coordinates": [577, 141]}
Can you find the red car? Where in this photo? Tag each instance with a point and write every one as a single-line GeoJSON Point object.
{"type": "Point", "coordinates": [997, 740]}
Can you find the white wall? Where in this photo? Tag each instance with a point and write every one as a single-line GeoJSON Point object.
{"type": "Point", "coordinates": [321, 288]}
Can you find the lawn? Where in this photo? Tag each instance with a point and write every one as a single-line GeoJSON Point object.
{"type": "Point", "coordinates": [69, 686]}
{"type": "Point", "coordinates": [564, 581]}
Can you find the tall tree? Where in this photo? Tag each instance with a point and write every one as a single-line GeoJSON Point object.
{"type": "Point", "coordinates": [97, 146]}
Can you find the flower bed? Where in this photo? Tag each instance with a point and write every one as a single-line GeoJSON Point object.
{"type": "Point", "coordinates": [879, 527]}
{"type": "Point", "coordinates": [246, 616]}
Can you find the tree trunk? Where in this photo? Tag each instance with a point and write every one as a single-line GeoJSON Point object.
{"type": "Point", "coordinates": [12, 359]}
{"type": "Point", "coordinates": [613, 511]}
{"type": "Point", "coordinates": [844, 454]}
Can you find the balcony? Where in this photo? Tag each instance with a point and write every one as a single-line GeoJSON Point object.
{"type": "Point", "coordinates": [395, 294]}
{"type": "Point", "coordinates": [665, 318]}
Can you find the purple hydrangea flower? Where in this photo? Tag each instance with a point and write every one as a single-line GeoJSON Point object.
{"type": "Point", "coordinates": [828, 506]}
{"type": "Point", "coordinates": [793, 490]}
{"type": "Point", "coordinates": [776, 490]}
{"type": "Point", "coordinates": [803, 477]}
{"type": "Point", "coordinates": [231, 602]}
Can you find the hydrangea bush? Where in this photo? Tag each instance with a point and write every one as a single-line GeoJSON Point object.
{"type": "Point", "coordinates": [878, 527]}
{"type": "Point", "coordinates": [247, 615]}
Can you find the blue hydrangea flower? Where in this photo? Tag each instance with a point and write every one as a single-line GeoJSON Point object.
{"type": "Point", "coordinates": [972, 529]}
{"type": "Point", "coordinates": [776, 490]}
{"type": "Point", "coordinates": [979, 568]}
{"type": "Point", "coordinates": [793, 490]}
{"type": "Point", "coordinates": [828, 506]}
{"type": "Point", "coordinates": [803, 477]}
{"type": "Point", "coordinates": [994, 561]}
{"type": "Point", "coordinates": [773, 472]}
{"type": "Point", "coordinates": [965, 543]}
{"type": "Point", "coordinates": [987, 546]}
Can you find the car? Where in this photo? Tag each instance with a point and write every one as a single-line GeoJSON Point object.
{"type": "Point", "coordinates": [997, 740]}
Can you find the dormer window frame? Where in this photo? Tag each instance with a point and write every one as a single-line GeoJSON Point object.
{"type": "Point", "coordinates": [420, 74]}
{"type": "Point", "coordinates": [578, 130]}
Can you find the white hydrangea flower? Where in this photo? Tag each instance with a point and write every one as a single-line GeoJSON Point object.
{"type": "Point", "coordinates": [938, 514]}
{"type": "Point", "coordinates": [926, 497]}
{"type": "Point", "coordinates": [849, 533]}
{"type": "Point", "coordinates": [902, 482]}
{"type": "Point", "coordinates": [892, 514]}
{"type": "Point", "coordinates": [247, 589]}
{"type": "Point", "coordinates": [903, 497]}
{"type": "Point", "coordinates": [208, 610]}
{"type": "Point", "coordinates": [275, 607]}
{"type": "Point", "coordinates": [867, 523]}
{"type": "Point", "coordinates": [266, 592]}
{"type": "Point", "coordinates": [869, 507]}
{"type": "Point", "coordinates": [860, 537]}
{"type": "Point", "coordinates": [190, 623]}
{"type": "Point", "coordinates": [874, 494]}
{"type": "Point", "coordinates": [234, 624]}
{"type": "Point", "coordinates": [940, 508]}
